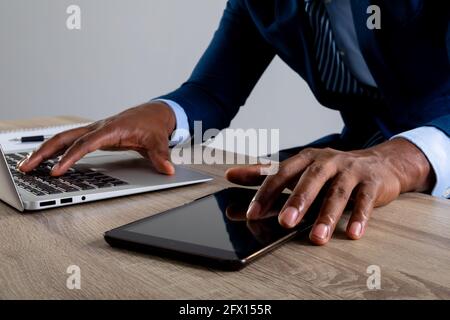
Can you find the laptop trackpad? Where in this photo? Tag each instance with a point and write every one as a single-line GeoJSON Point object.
{"type": "Point", "coordinates": [132, 168]}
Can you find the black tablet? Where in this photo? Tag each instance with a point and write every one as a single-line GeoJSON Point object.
{"type": "Point", "coordinates": [211, 230]}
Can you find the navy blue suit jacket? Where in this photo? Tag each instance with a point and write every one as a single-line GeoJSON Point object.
{"type": "Point", "coordinates": [409, 58]}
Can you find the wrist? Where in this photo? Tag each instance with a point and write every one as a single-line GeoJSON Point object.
{"type": "Point", "coordinates": [167, 115]}
{"type": "Point", "coordinates": [408, 164]}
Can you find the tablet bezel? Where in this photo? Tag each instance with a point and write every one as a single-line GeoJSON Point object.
{"type": "Point", "coordinates": [192, 253]}
{"type": "Point", "coordinates": [211, 256]}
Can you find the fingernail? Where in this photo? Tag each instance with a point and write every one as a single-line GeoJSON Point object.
{"type": "Point", "coordinates": [290, 216]}
{"type": "Point", "coordinates": [55, 167]}
{"type": "Point", "coordinates": [20, 163]}
{"type": "Point", "coordinates": [23, 161]}
{"type": "Point", "coordinates": [320, 231]}
{"type": "Point", "coordinates": [170, 167]}
{"type": "Point", "coordinates": [253, 210]}
{"type": "Point", "coordinates": [355, 228]}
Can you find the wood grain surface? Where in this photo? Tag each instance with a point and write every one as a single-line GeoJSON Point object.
{"type": "Point", "coordinates": [408, 239]}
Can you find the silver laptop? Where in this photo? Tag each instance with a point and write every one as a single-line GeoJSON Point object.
{"type": "Point", "coordinates": [99, 175]}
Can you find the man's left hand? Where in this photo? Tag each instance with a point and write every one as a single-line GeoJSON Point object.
{"type": "Point", "coordinates": [370, 177]}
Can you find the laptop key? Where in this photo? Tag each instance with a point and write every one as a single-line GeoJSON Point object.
{"type": "Point", "coordinates": [119, 183]}
{"type": "Point", "coordinates": [37, 193]}
{"type": "Point", "coordinates": [104, 185]}
{"type": "Point", "coordinates": [23, 154]}
{"type": "Point", "coordinates": [14, 156]}
{"type": "Point", "coordinates": [45, 187]}
{"type": "Point", "coordinates": [40, 182]}
{"type": "Point", "coordinates": [82, 185]}
{"type": "Point", "coordinates": [31, 189]}
{"type": "Point", "coordinates": [58, 184]}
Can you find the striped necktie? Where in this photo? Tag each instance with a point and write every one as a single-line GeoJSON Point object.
{"type": "Point", "coordinates": [333, 72]}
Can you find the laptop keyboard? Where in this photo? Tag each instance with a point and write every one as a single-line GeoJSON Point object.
{"type": "Point", "coordinates": [40, 183]}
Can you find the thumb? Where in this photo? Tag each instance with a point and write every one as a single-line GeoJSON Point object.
{"type": "Point", "coordinates": [158, 153]}
{"type": "Point", "coordinates": [246, 175]}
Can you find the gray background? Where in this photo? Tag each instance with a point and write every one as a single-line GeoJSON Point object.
{"type": "Point", "coordinates": [127, 52]}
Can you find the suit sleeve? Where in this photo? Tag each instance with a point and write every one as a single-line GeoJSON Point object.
{"type": "Point", "coordinates": [442, 123]}
{"type": "Point", "coordinates": [226, 73]}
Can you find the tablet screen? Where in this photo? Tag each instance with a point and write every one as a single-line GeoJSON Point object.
{"type": "Point", "coordinates": [216, 221]}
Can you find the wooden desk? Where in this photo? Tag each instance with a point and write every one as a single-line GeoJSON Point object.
{"type": "Point", "coordinates": [408, 239]}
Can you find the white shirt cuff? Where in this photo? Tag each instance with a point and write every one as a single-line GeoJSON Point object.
{"type": "Point", "coordinates": [435, 144]}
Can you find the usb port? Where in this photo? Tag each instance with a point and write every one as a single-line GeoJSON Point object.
{"type": "Point", "coordinates": [66, 200]}
{"type": "Point", "coordinates": [47, 203]}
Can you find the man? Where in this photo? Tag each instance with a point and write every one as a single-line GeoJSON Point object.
{"type": "Point", "coordinates": [390, 84]}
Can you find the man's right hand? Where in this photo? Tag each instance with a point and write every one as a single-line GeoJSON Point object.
{"type": "Point", "coordinates": [145, 129]}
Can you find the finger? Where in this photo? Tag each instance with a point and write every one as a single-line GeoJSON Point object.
{"type": "Point", "coordinates": [333, 206]}
{"type": "Point", "coordinates": [273, 185]}
{"type": "Point", "coordinates": [246, 175]}
{"type": "Point", "coordinates": [51, 148]}
{"type": "Point", "coordinates": [305, 192]}
{"type": "Point", "coordinates": [158, 153]}
{"type": "Point", "coordinates": [85, 144]}
{"type": "Point", "coordinates": [364, 204]}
